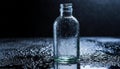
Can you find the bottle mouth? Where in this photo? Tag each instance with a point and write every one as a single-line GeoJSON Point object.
{"type": "Point", "coordinates": [66, 5]}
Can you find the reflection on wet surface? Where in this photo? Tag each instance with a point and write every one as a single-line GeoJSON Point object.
{"type": "Point", "coordinates": [78, 66]}
{"type": "Point", "coordinates": [89, 67]}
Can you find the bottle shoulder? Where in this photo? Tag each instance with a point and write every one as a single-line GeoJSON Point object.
{"type": "Point", "coordinates": [62, 19]}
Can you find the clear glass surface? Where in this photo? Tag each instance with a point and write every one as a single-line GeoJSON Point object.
{"type": "Point", "coordinates": [66, 36]}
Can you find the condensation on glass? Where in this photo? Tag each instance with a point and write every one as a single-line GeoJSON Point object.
{"type": "Point", "coordinates": [66, 36]}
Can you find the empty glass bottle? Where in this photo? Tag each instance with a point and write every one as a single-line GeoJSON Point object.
{"type": "Point", "coordinates": [66, 36]}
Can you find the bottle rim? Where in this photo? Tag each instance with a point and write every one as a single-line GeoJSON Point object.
{"type": "Point", "coordinates": [65, 5]}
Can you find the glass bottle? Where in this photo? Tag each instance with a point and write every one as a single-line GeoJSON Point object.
{"type": "Point", "coordinates": [66, 36]}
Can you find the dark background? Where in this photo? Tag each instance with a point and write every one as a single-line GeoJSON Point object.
{"type": "Point", "coordinates": [35, 18]}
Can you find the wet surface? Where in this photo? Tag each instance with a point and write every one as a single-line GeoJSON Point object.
{"type": "Point", "coordinates": [36, 53]}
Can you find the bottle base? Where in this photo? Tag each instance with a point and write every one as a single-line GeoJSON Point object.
{"type": "Point", "coordinates": [66, 60]}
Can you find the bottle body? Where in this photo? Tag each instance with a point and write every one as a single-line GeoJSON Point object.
{"type": "Point", "coordinates": [66, 39]}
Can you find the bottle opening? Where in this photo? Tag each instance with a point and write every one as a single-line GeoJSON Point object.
{"type": "Point", "coordinates": [66, 5]}
{"type": "Point", "coordinates": [66, 9]}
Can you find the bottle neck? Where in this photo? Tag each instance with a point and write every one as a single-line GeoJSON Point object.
{"type": "Point", "coordinates": [66, 14]}
{"type": "Point", "coordinates": [66, 10]}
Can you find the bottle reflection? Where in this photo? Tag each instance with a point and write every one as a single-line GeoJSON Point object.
{"type": "Point", "coordinates": [66, 66]}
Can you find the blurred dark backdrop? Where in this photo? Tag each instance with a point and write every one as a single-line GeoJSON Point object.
{"type": "Point", "coordinates": [35, 18]}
